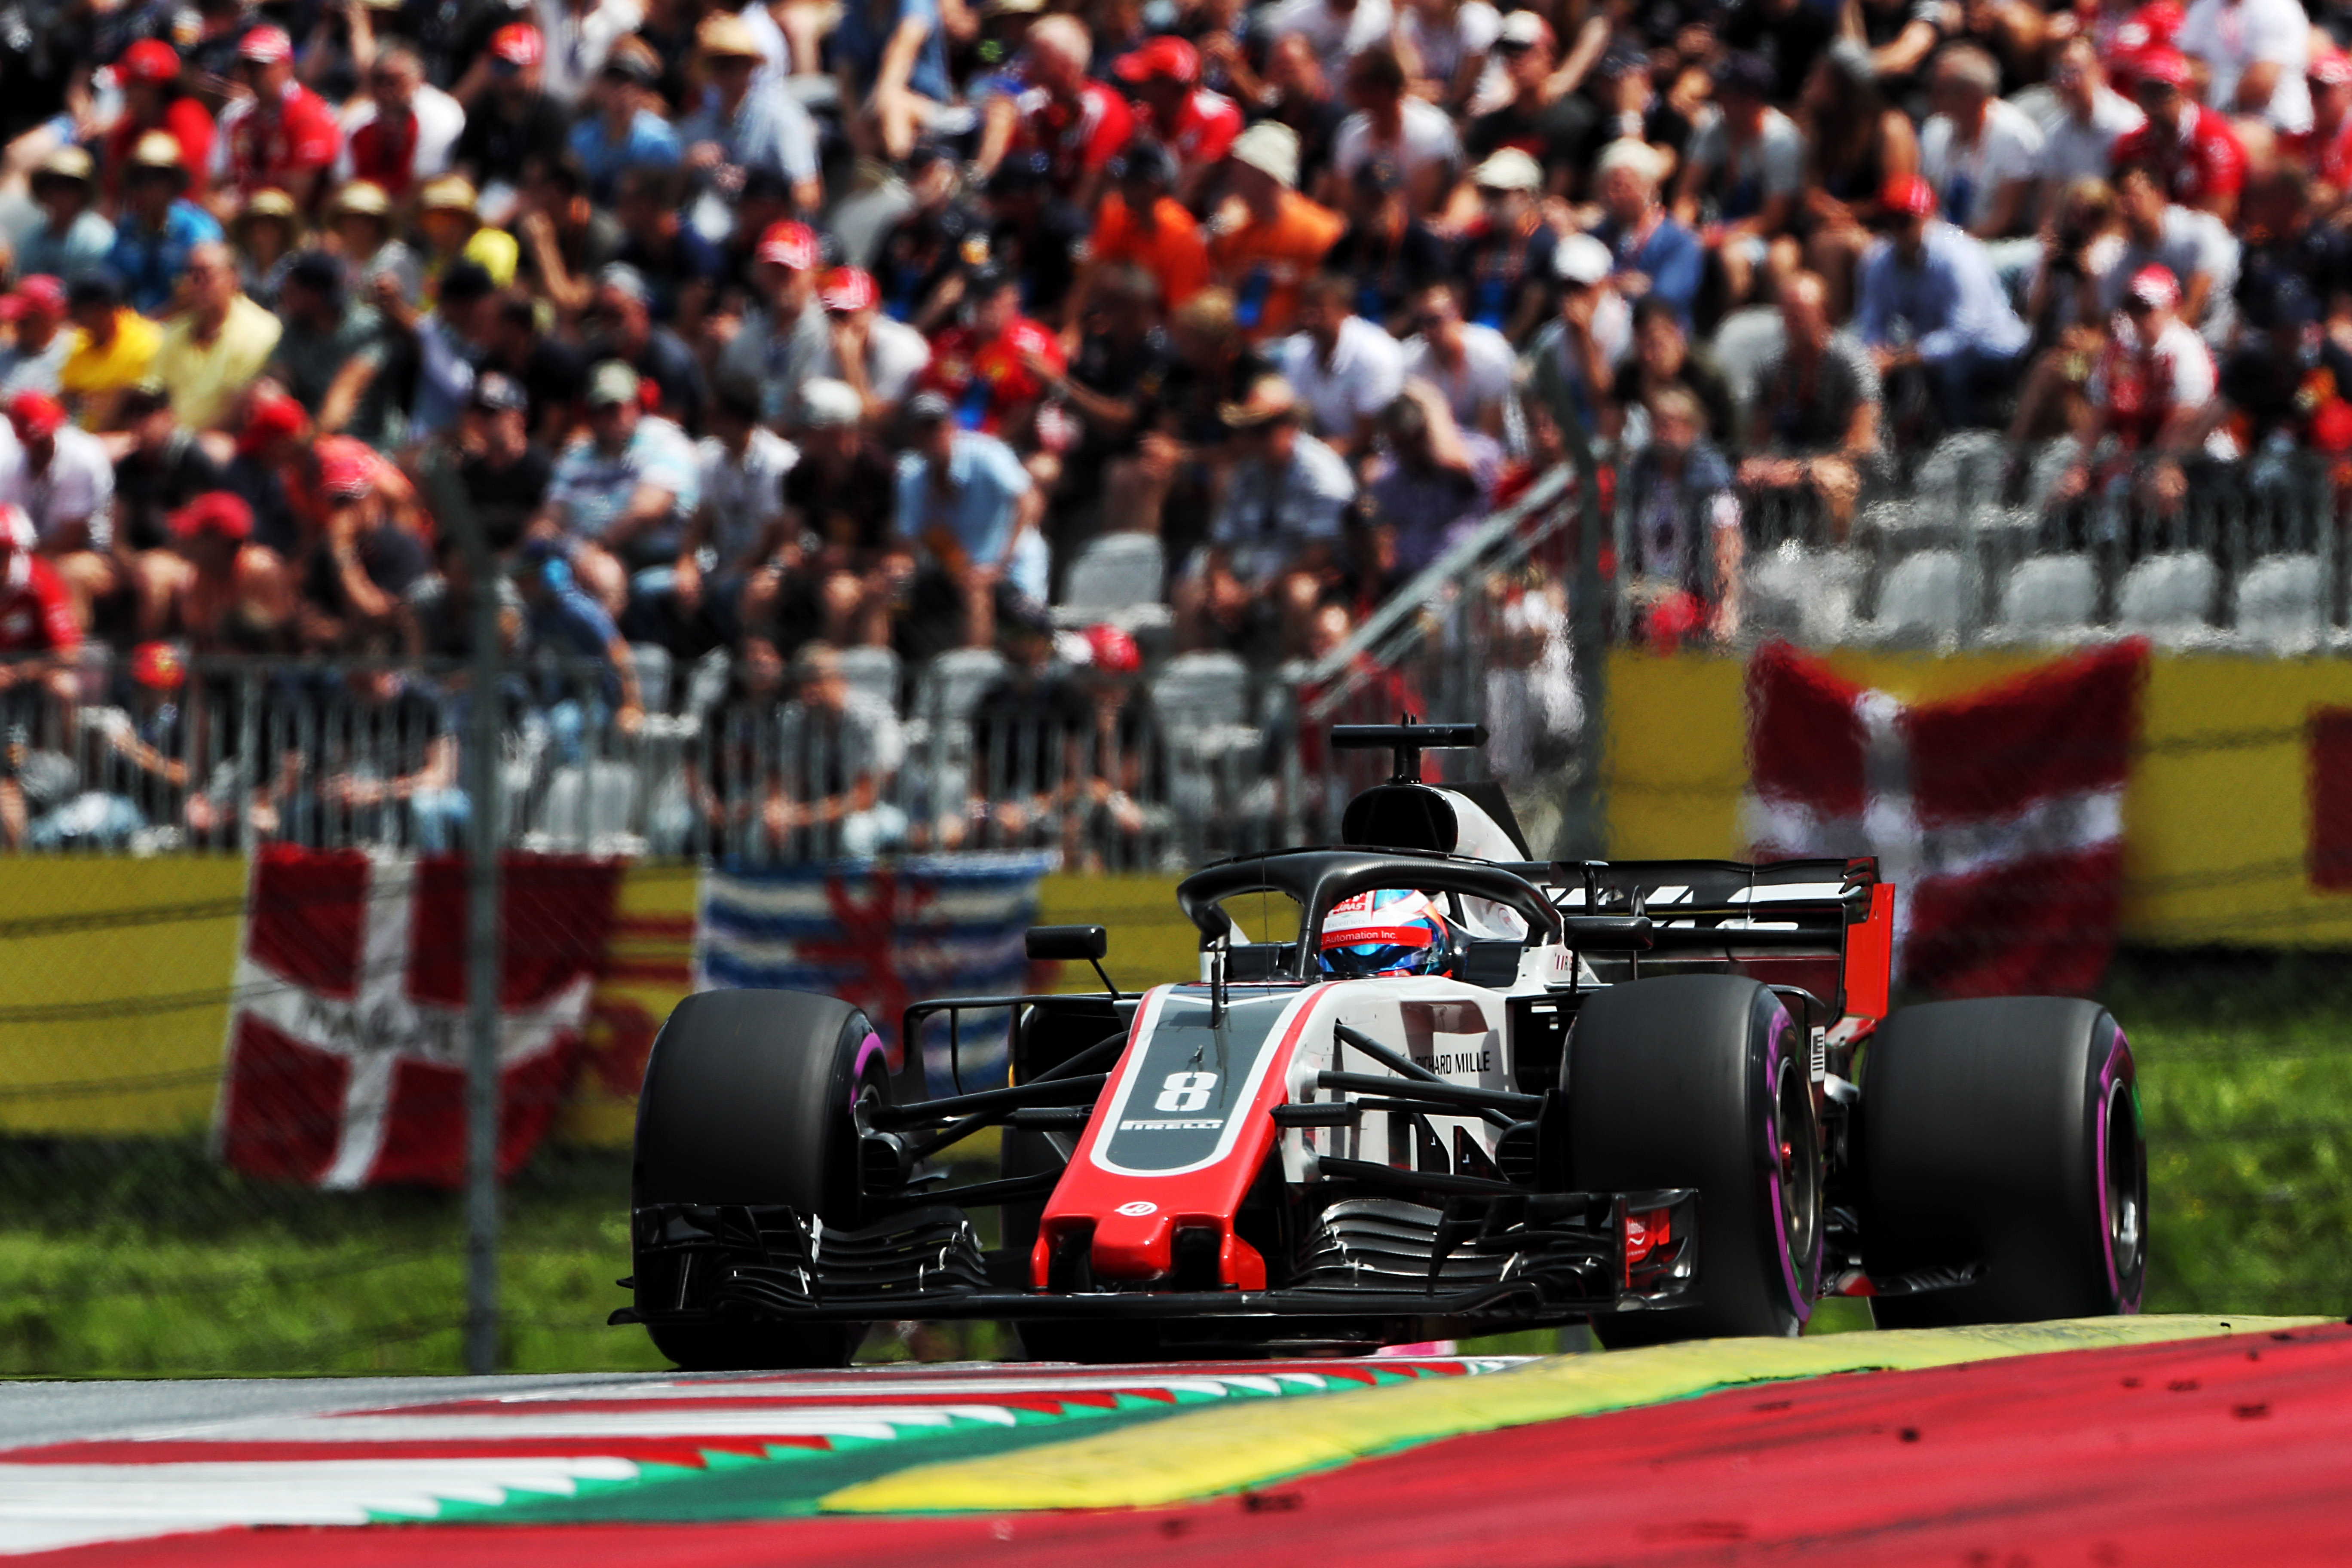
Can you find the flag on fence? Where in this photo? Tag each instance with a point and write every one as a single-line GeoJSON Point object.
{"type": "Point", "coordinates": [347, 1033]}
{"type": "Point", "coordinates": [881, 936]}
{"type": "Point", "coordinates": [1998, 814]}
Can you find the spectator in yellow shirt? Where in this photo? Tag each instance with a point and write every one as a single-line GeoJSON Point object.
{"type": "Point", "coordinates": [113, 350]}
{"type": "Point", "coordinates": [446, 214]}
{"type": "Point", "coordinates": [213, 349]}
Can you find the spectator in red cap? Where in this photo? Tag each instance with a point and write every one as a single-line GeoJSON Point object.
{"type": "Point", "coordinates": [1124, 754]}
{"type": "Point", "coordinates": [2325, 150]}
{"type": "Point", "coordinates": [785, 339]}
{"type": "Point", "coordinates": [878, 357]}
{"type": "Point", "coordinates": [284, 136]}
{"type": "Point", "coordinates": [65, 482]}
{"type": "Point", "coordinates": [360, 560]}
{"type": "Point", "coordinates": [149, 74]}
{"type": "Point", "coordinates": [39, 637]}
{"type": "Point", "coordinates": [511, 125]}
{"type": "Point", "coordinates": [32, 363]}
{"type": "Point", "coordinates": [1076, 123]}
{"type": "Point", "coordinates": [2150, 392]}
{"type": "Point", "coordinates": [2191, 146]}
{"type": "Point", "coordinates": [1927, 301]}
{"type": "Point", "coordinates": [1196, 124]}
{"type": "Point", "coordinates": [230, 594]}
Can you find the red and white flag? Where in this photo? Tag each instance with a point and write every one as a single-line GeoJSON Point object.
{"type": "Point", "coordinates": [1998, 814]}
{"type": "Point", "coordinates": [347, 1034]}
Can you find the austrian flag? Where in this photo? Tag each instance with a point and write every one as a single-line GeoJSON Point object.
{"type": "Point", "coordinates": [1998, 814]}
{"type": "Point", "coordinates": [347, 1036]}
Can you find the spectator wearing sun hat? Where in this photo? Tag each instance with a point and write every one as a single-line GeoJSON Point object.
{"type": "Point", "coordinates": [111, 349]}
{"type": "Point", "coordinates": [378, 265]}
{"type": "Point", "coordinates": [73, 235]}
{"type": "Point", "coordinates": [1504, 263]}
{"type": "Point", "coordinates": [148, 72]}
{"type": "Point", "coordinates": [1573, 362]}
{"type": "Point", "coordinates": [746, 120]}
{"type": "Point", "coordinates": [1277, 526]}
{"type": "Point", "coordinates": [36, 359]}
{"type": "Point", "coordinates": [448, 218]}
{"type": "Point", "coordinates": [511, 124]}
{"type": "Point", "coordinates": [159, 227]}
{"type": "Point", "coordinates": [283, 137]}
{"type": "Point", "coordinates": [1282, 237]}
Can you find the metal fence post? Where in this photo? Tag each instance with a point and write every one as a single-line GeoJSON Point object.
{"type": "Point", "coordinates": [1584, 819]}
{"type": "Point", "coordinates": [486, 820]}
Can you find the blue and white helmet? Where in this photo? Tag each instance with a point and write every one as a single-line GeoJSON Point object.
{"type": "Point", "coordinates": [1394, 931]}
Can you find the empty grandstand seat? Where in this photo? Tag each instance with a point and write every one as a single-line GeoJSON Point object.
{"type": "Point", "coordinates": [2049, 465]}
{"type": "Point", "coordinates": [953, 682]}
{"type": "Point", "coordinates": [1795, 591]}
{"type": "Point", "coordinates": [872, 672]}
{"type": "Point", "coordinates": [1960, 478]}
{"type": "Point", "coordinates": [587, 806]}
{"type": "Point", "coordinates": [1744, 345]}
{"type": "Point", "coordinates": [1119, 578]}
{"type": "Point", "coordinates": [2283, 602]}
{"type": "Point", "coordinates": [653, 667]}
{"type": "Point", "coordinates": [2169, 595]}
{"type": "Point", "coordinates": [2051, 596]}
{"type": "Point", "coordinates": [1928, 595]}
{"type": "Point", "coordinates": [1199, 692]}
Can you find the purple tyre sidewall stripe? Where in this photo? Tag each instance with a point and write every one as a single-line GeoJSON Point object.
{"type": "Point", "coordinates": [1799, 1298]}
{"type": "Point", "coordinates": [867, 1050]}
{"type": "Point", "coordinates": [2118, 1060]}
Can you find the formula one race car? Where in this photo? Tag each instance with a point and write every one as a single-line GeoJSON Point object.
{"type": "Point", "coordinates": [1468, 1093]}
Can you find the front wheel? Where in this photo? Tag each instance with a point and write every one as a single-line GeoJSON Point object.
{"type": "Point", "coordinates": [748, 1100]}
{"type": "Point", "coordinates": [1700, 1080]}
{"type": "Point", "coordinates": [2004, 1134]}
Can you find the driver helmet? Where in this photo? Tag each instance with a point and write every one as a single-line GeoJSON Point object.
{"type": "Point", "coordinates": [1394, 931]}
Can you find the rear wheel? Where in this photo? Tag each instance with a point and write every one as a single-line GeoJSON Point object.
{"type": "Point", "coordinates": [747, 1100]}
{"type": "Point", "coordinates": [1700, 1080]}
{"type": "Point", "coordinates": [2004, 1133]}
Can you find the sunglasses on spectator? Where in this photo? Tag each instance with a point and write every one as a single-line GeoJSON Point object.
{"type": "Point", "coordinates": [2135, 306]}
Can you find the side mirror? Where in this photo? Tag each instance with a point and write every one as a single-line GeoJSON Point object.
{"type": "Point", "coordinates": [1068, 945]}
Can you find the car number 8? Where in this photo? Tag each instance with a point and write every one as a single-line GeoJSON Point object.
{"type": "Point", "coordinates": [1185, 1092]}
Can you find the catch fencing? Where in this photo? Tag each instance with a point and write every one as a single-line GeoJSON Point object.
{"type": "Point", "coordinates": [134, 1249]}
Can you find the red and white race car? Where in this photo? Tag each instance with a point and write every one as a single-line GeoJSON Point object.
{"type": "Point", "coordinates": [1467, 1092]}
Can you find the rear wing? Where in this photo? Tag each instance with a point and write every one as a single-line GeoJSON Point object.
{"type": "Point", "coordinates": [1728, 910]}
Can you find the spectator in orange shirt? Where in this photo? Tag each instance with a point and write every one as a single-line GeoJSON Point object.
{"type": "Point", "coordinates": [1143, 225]}
{"type": "Point", "coordinates": [1278, 241]}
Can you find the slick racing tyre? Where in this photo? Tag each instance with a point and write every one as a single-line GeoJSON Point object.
{"type": "Point", "coordinates": [747, 1100]}
{"type": "Point", "coordinates": [1702, 1080]}
{"type": "Point", "coordinates": [2003, 1133]}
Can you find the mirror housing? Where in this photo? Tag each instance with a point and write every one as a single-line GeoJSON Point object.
{"type": "Point", "coordinates": [1066, 944]}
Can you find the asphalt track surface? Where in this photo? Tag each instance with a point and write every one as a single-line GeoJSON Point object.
{"type": "Point", "coordinates": [2233, 1446]}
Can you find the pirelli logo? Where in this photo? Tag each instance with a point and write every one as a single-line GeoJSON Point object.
{"type": "Point", "coordinates": [1172, 1125]}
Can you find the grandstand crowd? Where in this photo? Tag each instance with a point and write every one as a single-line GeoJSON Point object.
{"type": "Point", "coordinates": [826, 325]}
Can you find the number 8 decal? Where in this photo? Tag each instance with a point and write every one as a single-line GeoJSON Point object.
{"type": "Point", "coordinates": [1185, 1092]}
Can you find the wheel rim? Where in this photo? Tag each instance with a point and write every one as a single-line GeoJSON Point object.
{"type": "Point", "coordinates": [2127, 1194]}
{"type": "Point", "coordinates": [1797, 1171]}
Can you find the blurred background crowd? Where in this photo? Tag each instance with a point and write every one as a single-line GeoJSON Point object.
{"type": "Point", "coordinates": [879, 367]}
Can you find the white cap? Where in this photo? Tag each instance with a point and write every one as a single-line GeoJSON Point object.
{"type": "Point", "coordinates": [1271, 148]}
{"type": "Point", "coordinates": [825, 403]}
{"type": "Point", "coordinates": [1580, 258]}
{"type": "Point", "coordinates": [1524, 29]}
{"type": "Point", "coordinates": [1628, 153]}
{"type": "Point", "coordinates": [1509, 170]}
